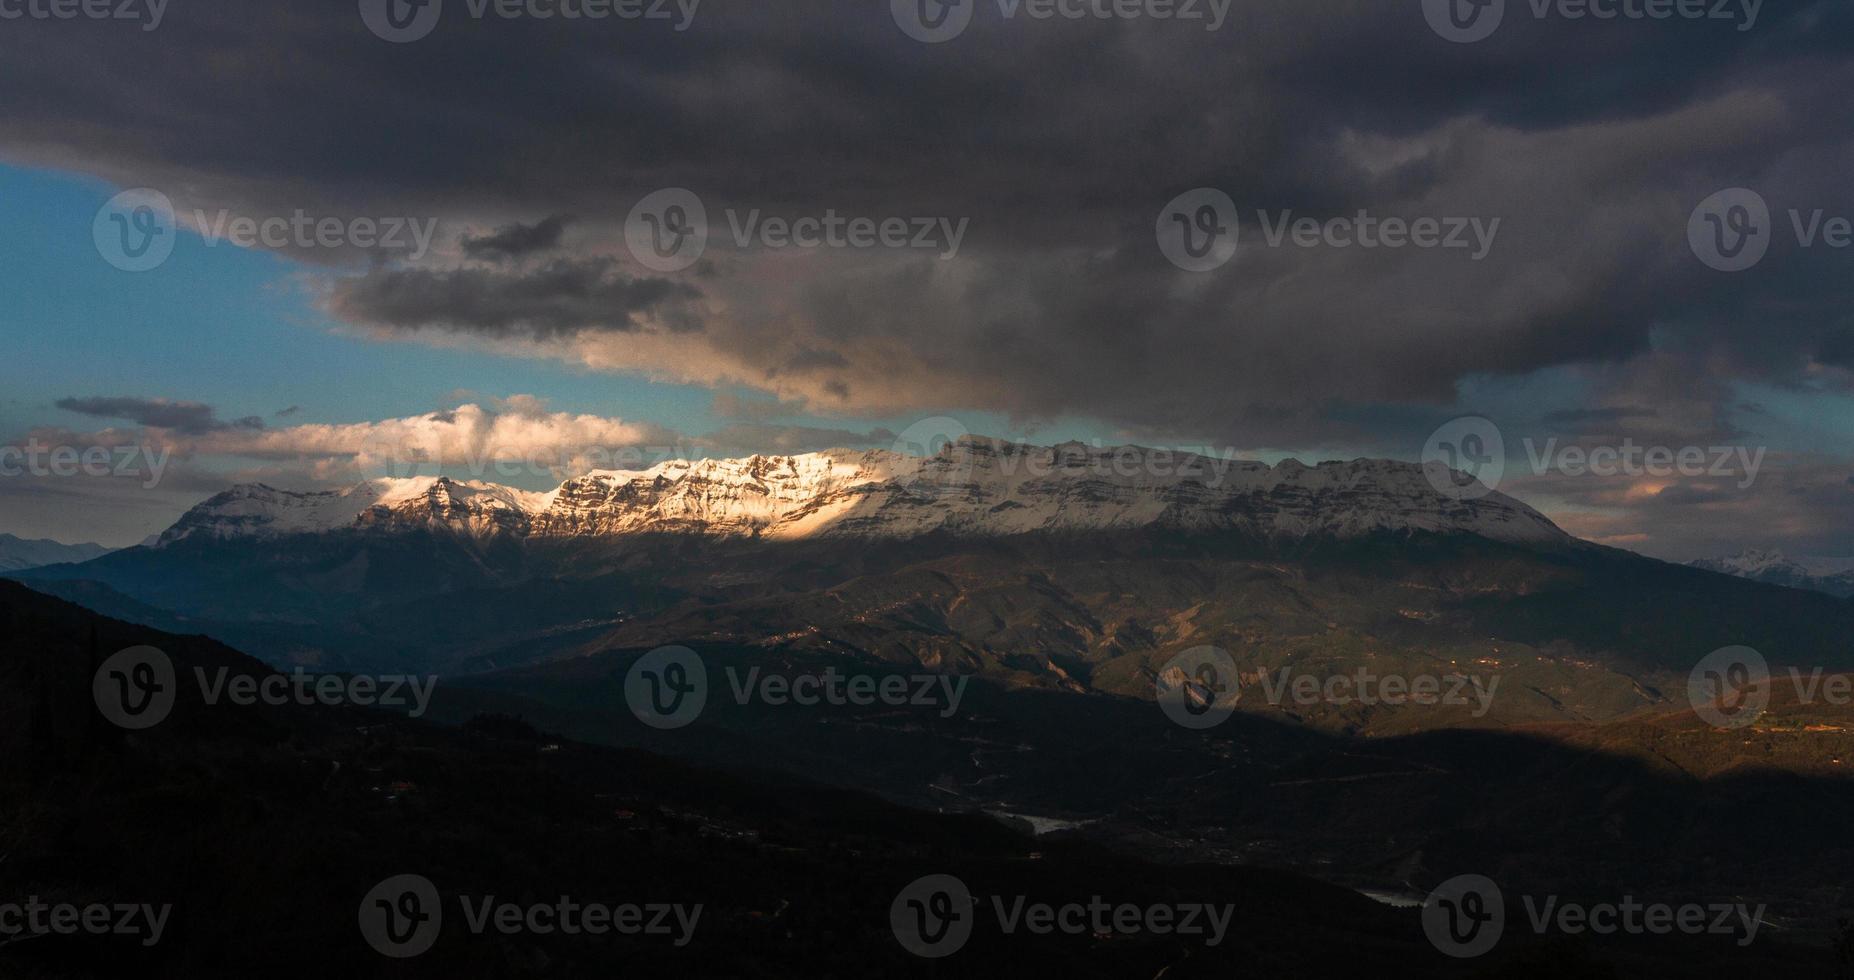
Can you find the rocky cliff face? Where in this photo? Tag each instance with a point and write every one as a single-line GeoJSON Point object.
{"type": "Point", "coordinates": [975, 487]}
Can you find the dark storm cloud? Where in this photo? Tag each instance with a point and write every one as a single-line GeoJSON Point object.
{"type": "Point", "coordinates": [188, 418]}
{"type": "Point", "coordinates": [1580, 416]}
{"type": "Point", "coordinates": [730, 406]}
{"type": "Point", "coordinates": [1802, 505]}
{"type": "Point", "coordinates": [561, 297]}
{"type": "Point", "coordinates": [1060, 141]}
{"type": "Point", "coordinates": [518, 240]}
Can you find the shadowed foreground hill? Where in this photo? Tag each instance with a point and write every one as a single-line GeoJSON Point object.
{"type": "Point", "coordinates": [265, 827]}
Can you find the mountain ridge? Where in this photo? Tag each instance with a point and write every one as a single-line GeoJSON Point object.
{"type": "Point", "coordinates": [18, 554]}
{"type": "Point", "coordinates": [1776, 568]}
{"type": "Point", "coordinates": [972, 487]}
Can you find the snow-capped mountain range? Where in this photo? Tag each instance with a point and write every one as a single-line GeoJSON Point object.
{"type": "Point", "coordinates": [1830, 575]}
{"type": "Point", "coordinates": [975, 487]}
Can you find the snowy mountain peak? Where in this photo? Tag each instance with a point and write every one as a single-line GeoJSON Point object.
{"type": "Point", "coordinates": [972, 487]}
{"type": "Point", "coordinates": [1752, 561]}
{"type": "Point", "coordinates": [1831, 575]}
{"type": "Point", "coordinates": [257, 510]}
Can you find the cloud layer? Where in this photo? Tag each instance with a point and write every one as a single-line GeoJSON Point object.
{"type": "Point", "coordinates": [1060, 140]}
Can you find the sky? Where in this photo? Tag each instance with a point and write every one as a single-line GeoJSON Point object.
{"type": "Point", "coordinates": [306, 244]}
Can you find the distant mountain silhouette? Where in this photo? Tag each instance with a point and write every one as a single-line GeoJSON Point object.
{"type": "Point", "coordinates": [18, 554]}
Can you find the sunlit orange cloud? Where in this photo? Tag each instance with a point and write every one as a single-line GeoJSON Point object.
{"type": "Point", "coordinates": [1646, 489]}
{"type": "Point", "coordinates": [1586, 524]}
{"type": "Point", "coordinates": [515, 429]}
